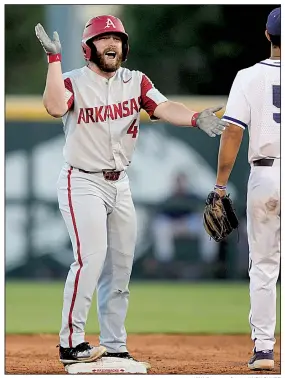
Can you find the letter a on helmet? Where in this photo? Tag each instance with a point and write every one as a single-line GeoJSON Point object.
{"type": "Point", "coordinates": [109, 23]}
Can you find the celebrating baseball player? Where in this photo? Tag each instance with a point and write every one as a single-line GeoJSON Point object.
{"type": "Point", "coordinates": [254, 104]}
{"type": "Point", "coordinates": [100, 108]}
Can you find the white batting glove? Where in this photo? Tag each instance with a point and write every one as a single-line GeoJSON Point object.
{"type": "Point", "coordinates": [51, 47]}
{"type": "Point", "coordinates": [210, 123]}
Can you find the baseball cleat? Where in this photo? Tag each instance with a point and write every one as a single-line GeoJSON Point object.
{"type": "Point", "coordinates": [262, 360]}
{"type": "Point", "coordinates": [83, 352]}
{"type": "Point", "coordinates": [127, 356]}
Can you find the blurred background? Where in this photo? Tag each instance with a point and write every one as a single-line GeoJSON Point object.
{"type": "Point", "coordinates": [192, 54]}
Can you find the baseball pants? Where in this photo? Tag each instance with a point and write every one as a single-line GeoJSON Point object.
{"type": "Point", "coordinates": [101, 222]}
{"type": "Point", "coordinates": [263, 227]}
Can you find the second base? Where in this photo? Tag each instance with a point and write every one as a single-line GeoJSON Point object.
{"type": "Point", "coordinates": [108, 365]}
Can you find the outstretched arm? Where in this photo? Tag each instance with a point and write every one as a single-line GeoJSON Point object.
{"type": "Point", "coordinates": [175, 113]}
{"type": "Point", "coordinates": [179, 115]}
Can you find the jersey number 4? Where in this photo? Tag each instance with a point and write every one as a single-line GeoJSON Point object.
{"type": "Point", "coordinates": [133, 130]}
{"type": "Point", "coordinates": [276, 99]}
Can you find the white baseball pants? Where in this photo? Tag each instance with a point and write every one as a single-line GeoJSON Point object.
{"type": "Point", "coordinates": [263, 227]}
{"type": "Point", "coordinates": [101, 222]}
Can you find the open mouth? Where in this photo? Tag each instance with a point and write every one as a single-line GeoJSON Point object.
{"type": "Point", "coordinates": [111, 54]}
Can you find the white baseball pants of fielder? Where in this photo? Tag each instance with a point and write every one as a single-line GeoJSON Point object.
{"type": "Point", "coordinates": [263, 227]}
{"type": "Point", "coordinates": [101, 222]}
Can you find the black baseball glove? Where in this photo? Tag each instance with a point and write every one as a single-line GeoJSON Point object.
{"type": "Point", "coordinates": [219, 216]}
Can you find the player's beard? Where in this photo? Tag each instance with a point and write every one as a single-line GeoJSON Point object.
{"type": "Point", "coordinates": [107, 66]}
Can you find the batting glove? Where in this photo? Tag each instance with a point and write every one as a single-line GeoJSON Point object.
{"type": "Point", "coordinates": [51, 48]}
{"type": "Point", "coordinates": [210, 123]}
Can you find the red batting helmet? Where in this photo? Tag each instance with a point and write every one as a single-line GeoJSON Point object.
{"type": "Point", "coordinates": [101, 25]}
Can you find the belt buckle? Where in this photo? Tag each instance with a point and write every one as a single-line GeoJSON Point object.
{"type": "Point", "coordinates": [111, 175]}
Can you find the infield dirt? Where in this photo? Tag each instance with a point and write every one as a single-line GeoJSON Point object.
{"type": "Point", "coordinates": [168, 354]}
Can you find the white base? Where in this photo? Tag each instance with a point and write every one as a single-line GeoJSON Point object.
{"type": "Point", "coordinates": [108, 365]}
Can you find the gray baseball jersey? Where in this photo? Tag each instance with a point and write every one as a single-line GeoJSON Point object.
{"type": "Point", "coordinates": [103, 126]}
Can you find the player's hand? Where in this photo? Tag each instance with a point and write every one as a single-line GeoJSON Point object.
{"type": "Point", "coordinates": [221, 192]}
{"type": "Point", "coordinates": [210, 123]}
{"type": "Point", "coordinates": [50, 47]}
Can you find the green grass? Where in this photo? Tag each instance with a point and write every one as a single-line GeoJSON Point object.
{"type": "Point", "coordinates": [154, 308]}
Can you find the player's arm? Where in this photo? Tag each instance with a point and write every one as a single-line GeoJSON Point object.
{"type": "Point", "coordinates": [54, 95]}
{"type": "Point", "coordinates": [159, 107]}
{"type": "Point", "coordinates": [179, 115]}
{"type": "Point", "coordinates": [175, 113]}
{"type": "Point", "coordinates": [238, 115]}
{"type": "Point", "coordinates": [229, 148]}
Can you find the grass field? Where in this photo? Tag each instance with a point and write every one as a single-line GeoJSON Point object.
{"type": "Point", "coordinates": [35, 307]}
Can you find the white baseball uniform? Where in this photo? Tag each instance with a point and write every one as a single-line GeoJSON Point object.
{"type": "Point", "coordinates": [101, 129]}
{"type": "Point", "coordinates": [254, 103]}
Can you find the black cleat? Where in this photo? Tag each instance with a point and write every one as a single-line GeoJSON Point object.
{"type": "Point", "coordinates": [262, 360]}
{"type": "Point", "coordinates": [83, 352]}
{"type": "Point", "coordinates": [127, 356]}
{"type": "Point", "coordinates": [119, 355]}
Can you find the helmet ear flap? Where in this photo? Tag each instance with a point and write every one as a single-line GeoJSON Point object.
{"type": "Point", "coordinates": [92, 50]}
{"type": "Point", "coordinates": [86, 50]}
{"type": "Point", "coordinates": [125, 50]}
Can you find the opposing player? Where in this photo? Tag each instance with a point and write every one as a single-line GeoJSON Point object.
{"type": "Point", "coordinates": [254, 104]}
{"type": "Point", "coordinates": [100, 106]}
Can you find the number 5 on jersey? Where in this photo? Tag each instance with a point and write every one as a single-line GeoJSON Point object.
{"type": "Point", "coordinates": [276, 99]}
{"type": "Point", "coordinates": [133, 130]}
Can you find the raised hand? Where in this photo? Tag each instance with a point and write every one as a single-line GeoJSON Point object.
{"type": "Point", "coordinates": [50, 46]}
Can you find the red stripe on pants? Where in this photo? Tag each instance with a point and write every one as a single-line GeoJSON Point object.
{"type": "Point", "coordinates": [78, 255]}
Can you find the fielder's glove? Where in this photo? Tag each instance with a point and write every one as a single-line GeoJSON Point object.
{"type": "Point", "coordinates": [50, 47]}
{"type": "Point", "coordinates": [210, 123]}
{"type": "Point", "coordinates": [219, 216]}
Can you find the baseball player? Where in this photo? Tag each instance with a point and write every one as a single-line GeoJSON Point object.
{"type": "Point", "coordinates": [100, 108]}
{"type": "Point", "coordinates": [254, 104]}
